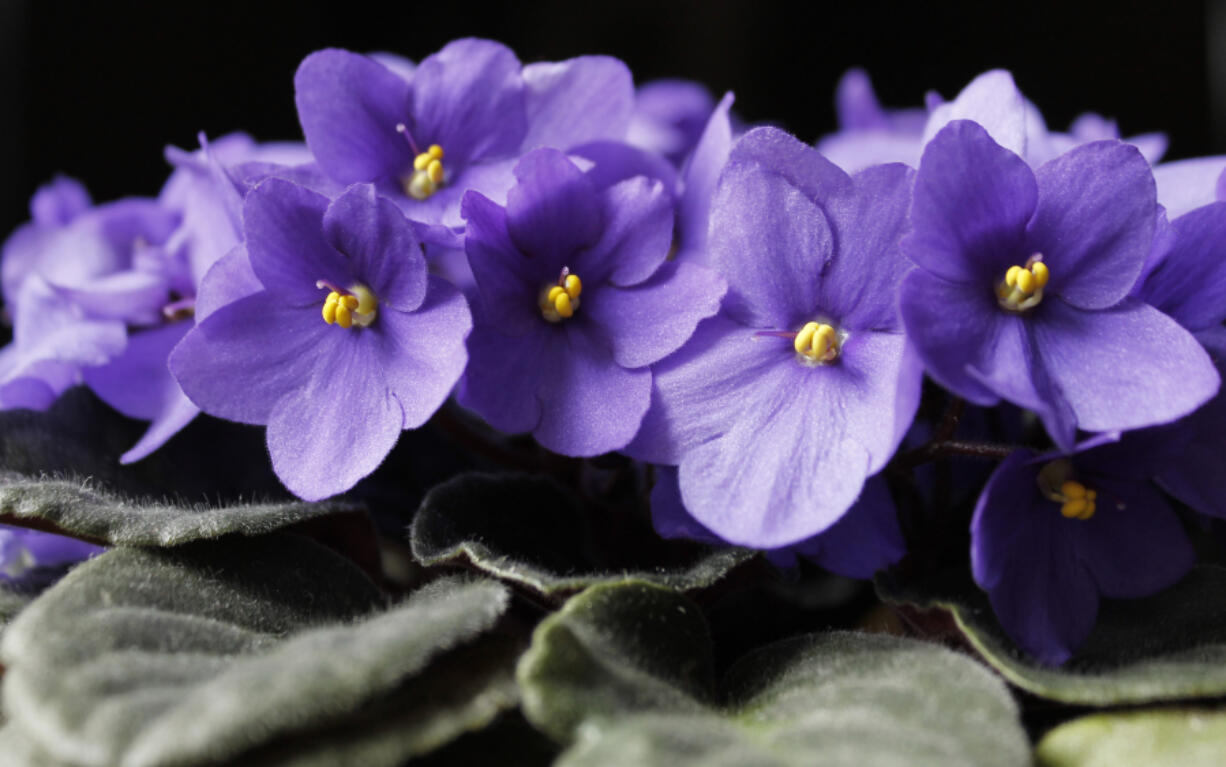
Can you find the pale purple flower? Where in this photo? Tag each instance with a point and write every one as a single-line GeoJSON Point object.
{"type": "Point", "coordinates": [575, 302]}
{"type": "Point", "coordinates": [669, 117]}
{"type": "Point", "coordinates": [868, 134]}
{"type": "Point", "coordinates": [780, 407]}
{"type": "Point", "coordinates": [347, 342]}
{"type": "Point", "coordinates": [1022, 290]}
{"type": "Point", "coordinates": [22, 550]}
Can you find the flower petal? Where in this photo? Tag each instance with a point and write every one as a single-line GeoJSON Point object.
{"type": "Point", "coordinates": [175, 413]}
{"type": "Point", "coordinates": [379, 241]}
{"type": "Point", "coordinates": [349, 106]}
{"type": "Point", "coordinates": [1125, 367]}
{"type": "Point", "coordinates": [1094, 222]}
{"type": "Point", "coordinates": [993, 101]}
{"type": "Point", "coordinates": [503, 375]}
{"type": "Point", "coordinates": [1189, 283]}
{"type": "Point", "coordinates": [588, 98]}
{"type": "Point", "coordinates": [589, 404]}
{"type": "Point", "coordinates": [638, 232]}
{"type": "Point", "coordinates": [422, 352]}
{"type": "Point", "coordinates": [646, 322]}
{"type": "Point", "coordinates": [138, 383]}
{"type": "Point", "coordinates": [972, 201]}
{"type": "Point", "coordinates": [699, 177]}
{"type": "Point", "coordinates": [507, 285]}
{"type": "Point", "coordinates": [864, 540]}
{"type": "Point", "coordinates": [285, 242]}
{"type": "Point", "coordinates": [553, 212]}
{"type": "Point", "coordinates": [1188, 184]}
{"type": "Point", "coordinates": [337, 426]}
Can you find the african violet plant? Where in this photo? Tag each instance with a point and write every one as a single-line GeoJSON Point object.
{"type": "Point", "coordinates": [611, 345]}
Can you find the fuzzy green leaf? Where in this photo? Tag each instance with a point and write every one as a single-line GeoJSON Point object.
{"type": "Point", "coordinates": [1137, 739]}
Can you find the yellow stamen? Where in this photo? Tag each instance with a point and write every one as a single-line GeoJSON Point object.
{"type": "Point", "coordinates": [428, 174]}
{"type": "Point", "coordinates": [1022, 287]}
{"type": "Point", "coordinates": [560, 300]}
{"type": "Point", "coordinates": [817, 342]}
{"type": "Point", "coordinates": [1075, 499]}
{"type": "Point", "coordinates": [358, 306]}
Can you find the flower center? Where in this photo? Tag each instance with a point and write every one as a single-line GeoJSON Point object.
{"type": "Point", "coordinates": [355, 306]}
{"type": "Point", "coordinates": [427, 175]}
{"type": "Point", "coordinates": [1022, 287]}
{"type": "Point", "coordinates": [817, 343]}
{"type": "Point", "coordinates": [1075, 499]}
{"type": "Point", "coordinates": [560, 300]}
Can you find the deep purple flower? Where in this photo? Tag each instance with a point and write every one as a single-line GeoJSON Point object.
{"type": "Point", "coordinates": [780, 407]}
{"type": "Point", "coordinates": [348, 342]}
{"type": "Point", "coordinates": [864, 540]}
{"type": "Point", "coordinates": [1052, 534]}
{"type": "Point", "coordinates": [457, 121]}
{"type": "Point", "coordinates": [22, 549]}
{"type": "Point", "coordinates": [1022, 290]}
{"type": "Point", "coordinates": [575, 301]}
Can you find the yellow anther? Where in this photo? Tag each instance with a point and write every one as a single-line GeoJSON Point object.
{"type": "Point", "coordinates": [1074, 508]}
{"type": "Point", "coordinates": [428, 174]}
{"type": "Point", "coordinates": [357, 306]}
{"type": "Point", "coordinates": [573, 285]}
{"type": "Point", "coordinates": [560, 300]}
{"type": "Point", "coordinates": [422, 161]}
{"type": "Point", "coordinates": [804, 338]}
{"type": "Point", "coordinates": [1075, 499]}
{"type": "Point", "coordinates": [435, 171]}
{"type": "Point", "coordinates": [435, 151]}
{"type": "Point", "coordinates": [1022, 287]}
{"type": "Point", "coordinates": [817, 342]}
{"type": "Point", "coordinates": [344, 317]}
{"type": "Point", "coordinates": [1071, 489]}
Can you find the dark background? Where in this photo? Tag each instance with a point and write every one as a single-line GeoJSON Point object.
{"type": "Point", "coordinates": [96, 89]}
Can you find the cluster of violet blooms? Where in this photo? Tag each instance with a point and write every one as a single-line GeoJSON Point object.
{"type": "Point", "coordinates": [620, 271]}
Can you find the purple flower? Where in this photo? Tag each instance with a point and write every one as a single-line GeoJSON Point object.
{"type": "Point", "coordinates": [457, 121]}
{"type": "Point", "coordinates": [1052, 534]}
{"type": "Point", "coordinates": [1186, 185]}
{"type": "Point", "coordinates": [1022, 288]}
{"type": "Point", "coordinates": [868, 134]}
{"type": "Point", "coordinates": [347, 343]}
{"type": "Point", "coordinates": [864, 540]}
{"type": "Point", "coordinates": [575, 301]}
{"type": "Point", "coordinates": [780, 407]}
{"type": "Point", "coordinates": [22, 549]}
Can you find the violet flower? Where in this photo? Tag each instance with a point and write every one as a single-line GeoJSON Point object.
{"type": "Point", "coordinates": [1051, 535]}
{"type": "Point", "coordinates": [22, 550]}
{"type": "Point", "coordinates": [864, 540]}
{"type": "Point", "coordinates": [575, 301]}
{"type": "Point", "coordinates": [869, 134]}
{"type": "Point", "coordinates": [780, 407]}
{"type": "Point", "coordinates": [669, 117]}
{"type": "Point", "coordinates": [456, 122]}
{"type": "Point", "coordinates": [1022, 288]}
{"type": "Point", "coordinates": [348, 342]}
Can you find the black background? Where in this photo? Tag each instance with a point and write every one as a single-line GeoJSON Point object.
{"type": "Point", "coordinates": [96, 89]}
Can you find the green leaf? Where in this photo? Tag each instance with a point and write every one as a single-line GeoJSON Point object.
{"type": "Point", "coordinates": [80, 511]}
{"type": "Point", "coordinates": [529, 531]}
{"type": "Point", "coordinates": [268, 648]}
{"type": "Point", "coordinates": [1168, 646]}
{"type": "Point", "coordinates": [1186, 738]}
{"type": "Point", "coordinates": [622, 672]}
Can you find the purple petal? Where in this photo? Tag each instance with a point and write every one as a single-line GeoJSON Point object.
{"type": "Point", "coordinates": [860, 286]}
{"type": "Point", "coordinates": [993, 101]}
{"type": "Point", "coordinates": [228, 280]}
{"type": "Point", "coordinates": [1188, 184]}
{"type": "Point", "coordinates": [1189, 283]}
{"type": "Point", "coordinates": [571, 102]}
{"type": "Point", "coordinates": [614, 161]}
{"type": "Point", "coordinates": [700, 391]}
{"type": "Point", "coordinates": [855, 102]}
{"type": "Point", "coordinates": [132, 295]}
{"type": "Point", "coordinates": [376, 236]}
{"type": "Point", "coordinates": [239, 361]}
{"type": "Point", "coordinates": [972, 201]}
{"type": "Point", "coordinates": [1197, 478]}
{"type": "Point", "coordinates": [469, 99]}
{"type": "Point", "coordinates": [337, 425]}
{"type": "Point", "coordinates": [864, 540]}
{"type": "Point", "coordinates": [668, 514]}
{"type": "Point", "coordinates": [862, 149]}
{"type": "Point", "coordinates": [589, 404]}
{"type": "Point", "coordinates": [787, 469]}
{"type": "Point", "coordinates": [553, 212]}
{"type": "Point", "coordinates": [423, 352]}
{"type": "Point", "coordinates": [138, 383]}
{"type": "Point", "coordinates": [1094, 222]}
{"type": "Point", "coordinates": [176, 413]}
{"type": "Point", "coordinates": [503, 375]}
{"type": "Point", "coordinates": [59, 201]}
{"type": "Point", "coordinates": [798, 163]}
{"type": "Point", "coordinates": [507, 284]}
{"type": "Point", "coordinates": [285, 242]}
{"type": "Point", "coordinates": [47, 328]}
{"type": "Point", "coordinates": [649, 321]}
{"type": "Point", "coordinates": [1125, 367]}
{"type": "Point", "coordinates": [638, 232]}
{"type": "Point", "coordinates": [349, 106]}
{"type": "Point", "coordinates": [1024, 553]}
{"type": "Point", "coordinates": [770, 241]}
{"type": "Point", "coordinates": [1134, 545]}
{"type": "Point", "coordinates": [699, 178]}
